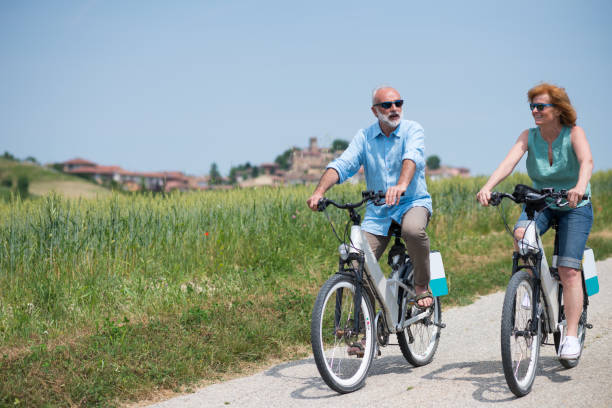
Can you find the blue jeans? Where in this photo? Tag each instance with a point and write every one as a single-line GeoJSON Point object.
{"type": "Point", "coordinates": [574, 227]}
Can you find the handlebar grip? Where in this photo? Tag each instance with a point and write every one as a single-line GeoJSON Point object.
{"type": "Point", "coordinates": [322, 204]}
{"type": "Point", "coordinates": [495, 198]}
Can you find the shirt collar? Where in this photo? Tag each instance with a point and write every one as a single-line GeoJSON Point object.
{"type": "Point", "coordinates": [377, 131]}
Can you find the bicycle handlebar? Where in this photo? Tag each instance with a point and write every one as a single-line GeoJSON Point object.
{"type": "Point", "coordinates": [529, 195]}
{"type": "Point", "coordinates": [376, 196]}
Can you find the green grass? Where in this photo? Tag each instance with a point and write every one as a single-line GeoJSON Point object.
{"type": "Point", "coordinates": [13, 170]}
{"type": "Point", "coordinates": [30, 181]}
{"type": "Point", "coordinates": [110, 300]}
{"type": "Point", "coordinates": [5, 193]}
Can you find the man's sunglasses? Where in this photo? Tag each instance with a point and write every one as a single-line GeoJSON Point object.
{"type": "Point", "coordinates": [387, 105]}
{"type": "Point", "coordinates": [539, 106]}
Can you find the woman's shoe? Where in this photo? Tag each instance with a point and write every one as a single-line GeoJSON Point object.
{"type": "Point", "coordinates": [570, 349]}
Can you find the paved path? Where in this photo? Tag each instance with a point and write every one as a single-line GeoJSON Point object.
{"type": "Point", "coordinates": [466, 372]}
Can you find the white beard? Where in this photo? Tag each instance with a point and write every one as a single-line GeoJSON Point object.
{"type": "Point", "coordinates": [385, 119]}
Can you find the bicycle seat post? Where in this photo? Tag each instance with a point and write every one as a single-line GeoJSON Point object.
{"type": "Point", "coordinates": [554, 271]}
{"type": "Point", "coordinates": [395, 230]}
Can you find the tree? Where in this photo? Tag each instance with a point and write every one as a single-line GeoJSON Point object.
{"type": "Point", "coordinates": [284, 160]}
{"type": "Point", "coordinates": [214, 175]}
{"type": "Point", "coordinates": [433, 162]}
{"type": "Point", "coordinates": [232, 175]}
{"type": "Point", "coordinates": [339, 144]}
{"type": "Point", "coordinates": [22, 186]}
{"type": "Point", "coordinates": [8, 156]}
{"type": "Point", "coordinates": [243, 171]}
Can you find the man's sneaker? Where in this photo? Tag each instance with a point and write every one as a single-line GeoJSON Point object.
{"type": "Point", "coordinates": [526, 303]}
{"type": "Point", "coordinates": [570, 349]}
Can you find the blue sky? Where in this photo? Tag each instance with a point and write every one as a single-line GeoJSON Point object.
{"type": "Point", "coordinates": [159, 85]}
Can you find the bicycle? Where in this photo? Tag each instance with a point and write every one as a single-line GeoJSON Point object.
{"type": "Point", "coordinates": [346, 333]}
{"type": "Point", "coordinates": [533, 303]}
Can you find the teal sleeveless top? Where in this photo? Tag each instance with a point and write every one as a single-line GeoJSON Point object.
{"type": "Point", "coordinates": [563, 174]}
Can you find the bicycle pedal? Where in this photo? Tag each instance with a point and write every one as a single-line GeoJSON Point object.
{"type": "Point", "coordinates": [588, 326]}
{"type": "Point", "coordinates": [440, 325]}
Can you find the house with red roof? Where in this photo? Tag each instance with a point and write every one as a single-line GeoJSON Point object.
{"type": "Point", "coordinates": [76, 163]}
{"type": "Point", "coordinates": [133, 180]}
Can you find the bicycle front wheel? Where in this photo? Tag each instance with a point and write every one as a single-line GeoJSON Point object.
{"type": "Point", "coordinates": [419, 341]}
{"type": "Point", "coordinates": [343, 355]}
{"type": "Point", "coordinates": [520, 347]}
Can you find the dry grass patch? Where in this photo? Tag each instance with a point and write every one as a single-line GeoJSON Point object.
{"type": "Point", "coordinates": [69, 189]}
{"type": "Point", "coordinates": [603, 234]}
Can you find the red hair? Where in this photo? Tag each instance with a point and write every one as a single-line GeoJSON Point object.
{"type": "Point", "coordinates": [559, 98]}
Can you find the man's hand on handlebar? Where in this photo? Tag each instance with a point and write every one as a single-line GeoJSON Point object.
{"type": "Point", "coordinates": [392, 197]}
{"type": "Point", "coordinates": [313, 201]}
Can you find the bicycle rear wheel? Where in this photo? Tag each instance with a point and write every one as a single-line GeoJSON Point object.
{"type": "Point", "coordinates": [343, 357]}
{"type": "Point", "coordinates": [419, 341]}
{"type": "Point", "coordinates": [520, 348]}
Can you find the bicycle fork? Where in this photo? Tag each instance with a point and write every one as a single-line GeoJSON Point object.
{"type": "Point", "coordinates": [358, 274]}
{"type": "Point", "coordinates": [535, 299]}
{"type": "Point", "coordinates": [358, 294]}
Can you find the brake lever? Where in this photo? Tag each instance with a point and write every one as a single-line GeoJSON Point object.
{"type": "Point", "coordinates": [561, 202]}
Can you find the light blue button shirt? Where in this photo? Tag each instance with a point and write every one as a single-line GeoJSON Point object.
{"type": "Point", "coordinates": [382, 158]}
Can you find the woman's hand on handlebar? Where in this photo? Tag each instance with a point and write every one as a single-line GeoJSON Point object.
{"type": "Point", "coordinates": [574, 196]}
{"type": "Point", "coordinates": [484, 196]}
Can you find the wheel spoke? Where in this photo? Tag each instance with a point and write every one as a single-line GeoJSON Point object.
{"type": "Point", "coordinates": [520, 346]}
{"type": "Point", "coordinates": [419, 341]}
{"type": "Point", "coordinates": [342, 357]}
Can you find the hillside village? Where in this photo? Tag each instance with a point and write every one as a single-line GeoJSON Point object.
{"type": "Point", "coordinates": [305, 166]}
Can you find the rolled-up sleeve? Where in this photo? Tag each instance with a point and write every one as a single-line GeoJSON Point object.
{"type": "Point", "coordinates": [351, 159]}
{"type": "Point", "coordinates": [414, 146]}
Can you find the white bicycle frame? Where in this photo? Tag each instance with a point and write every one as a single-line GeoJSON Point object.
{"type": "Point", "coordinates": [386, 289]}
{"type": "Point", "coordinates": [532, 242]}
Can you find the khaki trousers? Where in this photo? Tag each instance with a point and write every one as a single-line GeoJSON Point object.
{"type": "Point", "coordinates": [416, 240]}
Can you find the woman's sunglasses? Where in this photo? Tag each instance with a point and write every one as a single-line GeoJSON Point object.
{"type": "Point", "coordinates": [539, 106]}
{"type": "Point", "coordinates": [387, 105]}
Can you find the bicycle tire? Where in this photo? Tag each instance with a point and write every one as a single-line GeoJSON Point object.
{"type": "Point", "coordinates": [520, 352]}
{"type": "Point", "coordinates": [332, 338]}
{"type": "Point", "coordinates": [419, 341]}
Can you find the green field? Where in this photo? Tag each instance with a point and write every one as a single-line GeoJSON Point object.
{"type": "Point", "coordinates": [112, 300]}
{"type": "Point", "coordinates": [43, 180]}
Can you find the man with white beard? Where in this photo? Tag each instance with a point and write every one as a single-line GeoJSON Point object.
{"type": "Point", "coordinates": [392, 153]}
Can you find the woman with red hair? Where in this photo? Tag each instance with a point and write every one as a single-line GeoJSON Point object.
{"type": "Point", "coordinates": [558, 156]}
